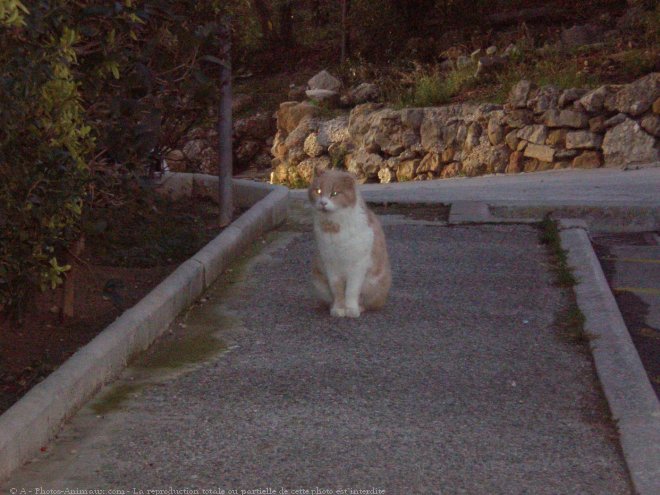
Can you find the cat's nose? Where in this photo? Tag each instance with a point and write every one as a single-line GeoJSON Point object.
{"type": "Point", "coordinates": [323, 201]}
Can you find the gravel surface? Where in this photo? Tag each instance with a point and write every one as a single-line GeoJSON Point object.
{"type": "Point", "coordinates": [462, 384]}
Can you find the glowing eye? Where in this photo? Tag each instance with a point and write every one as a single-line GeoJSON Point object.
{"type": "Point", "coordinates": [334, 193]}
{"type": "Point", "coordinates": [318, 191]}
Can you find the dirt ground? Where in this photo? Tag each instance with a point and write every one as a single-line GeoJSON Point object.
{"type": "Point", "coordinates": [107, 281]}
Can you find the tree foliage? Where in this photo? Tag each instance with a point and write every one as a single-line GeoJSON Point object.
{"type": "Point", "coordinates": [93, 92]}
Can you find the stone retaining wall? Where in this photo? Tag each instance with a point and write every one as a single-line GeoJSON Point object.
{"type": "Point", "coordinates": [537, 129]}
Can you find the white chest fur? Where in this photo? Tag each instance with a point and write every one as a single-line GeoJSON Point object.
{"type": "Point", "coordinates": [345, 240]}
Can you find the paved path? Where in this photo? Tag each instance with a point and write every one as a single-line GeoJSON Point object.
{"type": "Point", "coordinates": [600, 187]}
{"type": "Point", "coordinates": [463, 384]}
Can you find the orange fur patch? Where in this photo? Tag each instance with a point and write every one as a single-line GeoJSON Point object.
{"type": "Point", "coordinates": [330, 227]}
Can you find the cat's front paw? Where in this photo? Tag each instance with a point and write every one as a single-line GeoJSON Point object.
{"type": "Point", "coordinates": [337, 311]}
{"type": "Point", "coordinates": [352, 312]}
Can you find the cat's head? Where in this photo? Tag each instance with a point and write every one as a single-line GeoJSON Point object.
{"type": "Point", "coordinates": [332, 190]}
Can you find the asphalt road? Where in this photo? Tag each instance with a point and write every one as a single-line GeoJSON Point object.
{"type": "Point", "coordinates": [461, 385]}
{"type": "Point", "coordinates": [631, 263]}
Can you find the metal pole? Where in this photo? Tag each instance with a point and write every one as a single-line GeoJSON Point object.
{"type": "Point", "coordinates": [225, 197]}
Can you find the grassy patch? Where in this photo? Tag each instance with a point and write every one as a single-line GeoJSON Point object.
{"type": "Point", "coordinates": [570, 323]}
{"type": "Point", "coordinates": [550, 237]}
{"type": "Point", "coordinates": [114, 398]}
{"type": "Point", "coordinates": [181, 352]}
{"type": "Point", "coordinates": [431, 87]}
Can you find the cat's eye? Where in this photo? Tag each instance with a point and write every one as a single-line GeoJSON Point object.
{"type": "Point", "coordinates": [334, 193]}
{"type": "Point", "coordinates": [318, 191]}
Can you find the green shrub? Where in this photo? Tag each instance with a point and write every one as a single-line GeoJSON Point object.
{"type": "Point", "coordinates": [90, 89]}
{"type": "Point", "coordinates": [44, 146]}
{"type": "Point", "coordinates": [432, 87]}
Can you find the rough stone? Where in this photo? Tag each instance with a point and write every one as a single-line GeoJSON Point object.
{"type": "Point", "coordinates": [364, 164]}
{"type": "Point", "coordinates": [540, 152]}
{"type": "Point", "coordinates": [583, 140]}
{"type": "Point", "coordinates": [556, 137]}
{"type": "Point", "coordinates": [407, 170]}
{"type": "Point", "coordinates": [594, 101]}
{"type": "Point", "coordinates": [333, 131]}
{"type": "Point", "coordinates": [291, 113]}
{"type": "Point", "coordinates": [280, 174]}
{"type": "Point", "coordinates": [360, 119]}
{"type": "Point", "coordinates": [386, 175]}
{"type": "Point", "coordinates": [310, 166]}
{"type": "Point", "coordinates": [324, 97]}
{"type": "Point", "coordinates": [176, 161]}
{"type": "Point", "coordinates": [597, 124]}
{"type": "Point", "coordinates": [519, 118]}
{"type": "Point", "coordinates": [247, 150]}
{"type": "Point", "coordinates": [448, 154]}
{"type": "Point", "coordinates": [259, 127]}
{"type": "Point", "coordinates": [627, 143]}
{"type": "Point", "coordinates": [473, 135]}
{"type": "Point", "coordinates": [292, 148]}
{"type": "Point", "coordinates": [364, 93]}
{"type": "Point", "coordinates": [637, 97]}
{"type": "Point", "coordinates": [566, 154]}
{"type": "Point", "coordinates": [544, 99]}
{"type": "Point", "coordinates": [193, 149]}
{"type": "Point", "coordinates": [588, 159]}
{"type": "Point", "coordinates": [489, 64]}
{"type": "Point", "coordinates": [324, 80]}
{"type": "Point", "coordinates": [451, 170]}
{"type": "Point", "coordinates": [430, 163]}
{"type": "Point", "coordinates": [312, 146]}
{"type": "Point", "coordinates": [412, 118]}
{"type": "Point", "coordinates": [651, 124]}
{"type": "Point", "coordinates": [570, 95]}
{"type": "Point", "coordinates": [616, 120]}
{"type": "Point", "coordinates": [515, 163]}
{"type": "Point", "coordinates": [491, 50]}
{"type": "Point", "coordinates": [441, 127]}
{"type": "Point", "coordinates": [485, 158]}
{"type": "Point", "coordinates": [530, 164]}
{"type": "Point", "coordinates": [512, 140]}
{"type": "Point", "coordinates": [541, 166]}
{"type": "Point", "coordinates": [534, 133]}
{"type": "Point", "coordinates": [566, 118]}
{"type": "Point", "coordinates": [262, 161]}
{"type": "Point", "coordinates": [519, 94]}
{"type": "Point", "coordinates": [495, 129]}
{"type": "Point", "coordinates": [388, 134]}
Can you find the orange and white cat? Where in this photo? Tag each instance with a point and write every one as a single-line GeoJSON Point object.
{"type": "Point", "coordinates": [351, 270]}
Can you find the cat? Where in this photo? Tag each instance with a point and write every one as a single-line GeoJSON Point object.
{"type": "Point", "coordinates": [351, 270]}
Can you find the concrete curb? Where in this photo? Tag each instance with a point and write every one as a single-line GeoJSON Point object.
{"type": "Point", "coordinates": [35, 419]}
{"type": "Point", "coordinates": [632, 401]}
{"type": "Point", "coordinates": [469, 212]}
